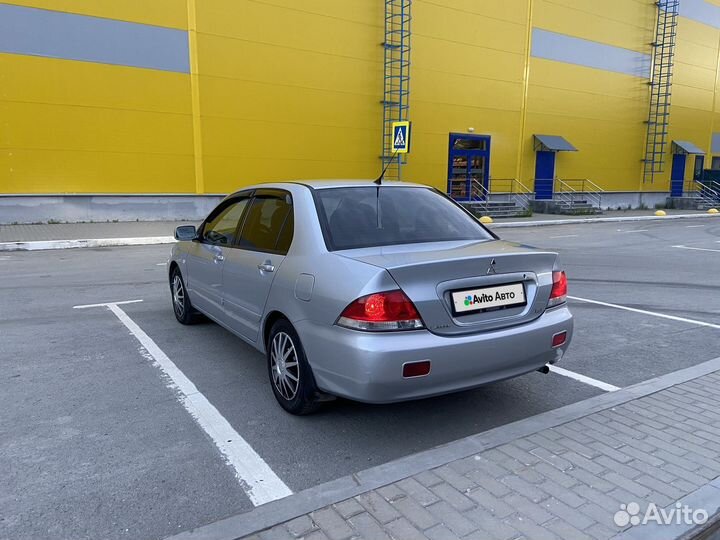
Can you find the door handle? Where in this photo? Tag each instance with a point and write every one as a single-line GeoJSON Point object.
{"type": "Point", "coordinates": [219, 258]}
{"type": "Point", "coordinates": [266, 267]}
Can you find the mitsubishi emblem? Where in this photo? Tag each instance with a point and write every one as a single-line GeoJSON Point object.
{"type": "Point", "coordinates": [491, 268]}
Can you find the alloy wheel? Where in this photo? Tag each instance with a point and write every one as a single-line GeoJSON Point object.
{"type": "Point", "coordinates": [178, 292]}
{"type": "Point", "coordinates": [284, 365]}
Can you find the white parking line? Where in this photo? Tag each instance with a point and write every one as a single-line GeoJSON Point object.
{"type": "Point", "coordinates": [255, 476]}
{"type": "Point", "coordinates": [106, 304]}
{"type": "Point", "coordinates": [634, 230]}
{"type": "Point", "coordinates": [698, 249]}
{"type": "Point", "coordinates": [644, 312]}
{"type": "Point", "coordinates": [582, 378]}
{"type": "Point", "coordinates": [693, 226]}
{"type": "Point", "coordinates": [566, 236]}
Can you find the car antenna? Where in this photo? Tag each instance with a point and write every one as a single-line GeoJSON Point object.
{"type": "Point", "coordinates": [378, 183]}
{"type": "Point", "coordinates": [379, 179]}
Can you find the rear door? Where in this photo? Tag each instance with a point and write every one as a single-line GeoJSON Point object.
{"type": "Point", "coordinates": [206, 256]}
{"type": "Point", "coordinates": [251, 267]}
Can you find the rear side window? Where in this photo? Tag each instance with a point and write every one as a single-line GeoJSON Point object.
{"type": "Point", "coordinates": [268, 225]}
{"type": "Point", "coordinates": [407, 215]}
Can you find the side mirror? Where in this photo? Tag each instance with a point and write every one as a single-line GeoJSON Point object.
{"type": "Point", "coordinates": [185, 233]}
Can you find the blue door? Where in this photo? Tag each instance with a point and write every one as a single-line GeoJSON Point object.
{"type": "Point", "coordinates": [468, 161]}
{"type": "Point", "coordinates": [544, 174]}
{"type": "Point", "coordinates": [677, 175]}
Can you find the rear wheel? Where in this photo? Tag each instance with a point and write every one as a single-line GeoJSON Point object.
{"type": "Point", "coordinates": [184, 312]}
{"type": "Point", "coordinates": [290, 375]}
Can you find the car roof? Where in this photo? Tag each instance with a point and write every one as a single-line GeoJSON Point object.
{"type": "Point", "coordinates": [324, 184]}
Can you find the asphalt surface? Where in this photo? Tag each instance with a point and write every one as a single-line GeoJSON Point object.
{"type": "Point", "coordinates": [94, 444]}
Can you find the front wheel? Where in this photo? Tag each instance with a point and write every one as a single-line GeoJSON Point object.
{"type": "Point", "coordinates": [184, 312]}
{"type": "Point", "coordinates": [290, 375]}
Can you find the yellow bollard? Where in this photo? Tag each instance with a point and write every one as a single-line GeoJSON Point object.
{"type": "Point", "coordinates": [713, 211]}
{"type": "Point", "coordinates": [486, 219]}
{"type": "Point", "coordinates": [660, 213]}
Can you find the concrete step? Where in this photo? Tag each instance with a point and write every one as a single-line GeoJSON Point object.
{"type": "Point", "coordinates": [577, 208]}
{"type": "Point", "coordinates": [497, 212]}
{"type": "Point", "coordinates": [495, 208]}
{"type": "Point", "coordinates": [708, 205]}
{"type": "Point", "coordinates": [692, 202]}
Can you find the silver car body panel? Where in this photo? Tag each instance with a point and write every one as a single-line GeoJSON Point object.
{"type": "Point", "coordinates": [311, 286]}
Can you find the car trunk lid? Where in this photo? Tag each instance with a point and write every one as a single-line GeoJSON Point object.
{"type": "Point", "coordinates": [430, 273]}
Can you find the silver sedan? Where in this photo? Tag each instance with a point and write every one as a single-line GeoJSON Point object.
{"type": "Point", "coordinates": [376, 293]}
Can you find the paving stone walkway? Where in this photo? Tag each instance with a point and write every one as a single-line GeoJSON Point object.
{"type": "Point", "coordinates": [565, 482]}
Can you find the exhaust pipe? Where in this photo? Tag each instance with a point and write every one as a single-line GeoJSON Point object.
{"type": "Point", "coordinates": [545, 369]}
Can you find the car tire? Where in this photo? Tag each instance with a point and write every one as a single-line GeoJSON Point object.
{"type": "Point", "coordinates": [184, 311]}
{"type": "Point", "coordinates": [291, 378]}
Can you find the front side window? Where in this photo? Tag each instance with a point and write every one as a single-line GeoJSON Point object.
{"type": "Point", "coordinates": [269, 224]}
{"type": "Point", "coordinates": [407, 215]}
{"type": "Point", "coordinates": [222, 228]}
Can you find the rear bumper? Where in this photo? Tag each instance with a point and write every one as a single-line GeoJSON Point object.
{"type": "Point", "coordinates": [368, 367]}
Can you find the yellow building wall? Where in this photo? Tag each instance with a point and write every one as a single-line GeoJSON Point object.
{"type": "Point", "coordinates": [68, 126]}
{"type": "Point", "coordinates": [600, 112]}
{"type": "Point", "coordinates": [288, 90]}
{"type": "Point", "coordinates": [694, 90]}
{"type": "Point", "coordinates": [468, 61]}
{"type": "Point", "coordinates": [169, 13]}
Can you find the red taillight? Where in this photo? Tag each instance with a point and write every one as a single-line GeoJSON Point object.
{"type": "Point", "coordinates": [390, 310]}
{"type": "Point", "coordinates": [558, 294]}
{"type": "Point", "coordinates": [559, 338]}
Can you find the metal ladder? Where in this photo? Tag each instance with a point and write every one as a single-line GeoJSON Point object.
{"type": "Point", "coordinates": [396, 80]}
{"type": "Point", "coordinates": [660, 88]}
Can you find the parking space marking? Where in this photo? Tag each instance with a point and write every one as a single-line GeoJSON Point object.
{"type": "Point", "coordinates": [106, 304]}
{"type": "Point", "coordinates": [255, 476]}
{"type": "Point", "coordinates": [634, 230]}
{"type": "Point", "coordinates": [644, 312]}
{"type": "Point", "coordinates": [582, 378]}
{"type": "Point", "coordinates": [693, 226]}
{"type": "Point", "coordinates": [566, 236]}
{"type": "Point", "coordinates": [698, 249]}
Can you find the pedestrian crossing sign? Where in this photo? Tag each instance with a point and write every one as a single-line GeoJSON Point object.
{"type": "Point", "coordinates": [401, 137]}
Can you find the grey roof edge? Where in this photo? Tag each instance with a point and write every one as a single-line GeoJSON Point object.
{"type": "Point", "coordinates": [555, 143]}
{"type": "Point", "coordinates": [689, 147]}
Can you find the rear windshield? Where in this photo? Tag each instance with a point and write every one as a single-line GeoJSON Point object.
{"type": "Point", "coordinates": [408, 215]}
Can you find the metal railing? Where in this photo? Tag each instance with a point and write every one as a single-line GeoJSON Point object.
{"type": "Point", "coordinates": [708, 191]}
{"type": "Point", "coordinates": [459, 190]}
{"type": "Point", "coordinates": [517, 192]}
{"type": "Point", "coordinates": [480, 196]}
{"type": "Point", "coordinates": [574, 191]}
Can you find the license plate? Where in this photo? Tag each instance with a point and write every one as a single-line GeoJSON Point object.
{"type": "Point", "coordinates": [488, 298]}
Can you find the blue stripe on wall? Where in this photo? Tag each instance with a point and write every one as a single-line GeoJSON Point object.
{"type": "Point", "coordinates": [583, 52]}
{"type": "Point", "coordinates": [701, 11]}
{"type": "Point", "coordinates": [715, 147]}
{"type": "Point", "coordinates": [54, 34]}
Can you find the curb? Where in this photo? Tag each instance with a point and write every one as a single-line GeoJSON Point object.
{"type": "Point", "coordinates": [88, 243]}
{"type": "Point", "coordinates": [510, 224]}
{"type": "Point", "coordinates": [314, 498]}
{"type": "Point", "coordinates": [152, 240]}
